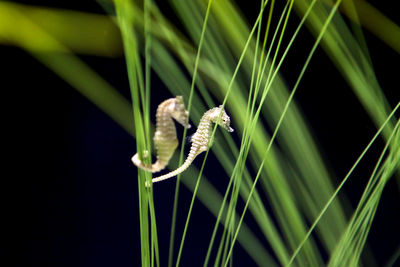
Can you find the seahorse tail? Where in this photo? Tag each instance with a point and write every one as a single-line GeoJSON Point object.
{"type": "Point", "coordinates": [155, 167]}
{"type": "Point", "coordinates": [182, 168]}
{"type": "Point", "coordinates": [165, 150]}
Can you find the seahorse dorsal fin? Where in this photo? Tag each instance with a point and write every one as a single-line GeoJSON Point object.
{"type": "Point", "coordinates": [189, 139]}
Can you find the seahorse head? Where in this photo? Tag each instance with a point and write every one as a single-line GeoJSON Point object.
{"type": "Point", "coordinates": [225, 120]}
{"type": "Point", "coordinates": [178, 111]}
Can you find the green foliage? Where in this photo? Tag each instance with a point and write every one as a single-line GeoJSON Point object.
{"type": "Point", "coordinates": [238, 65]}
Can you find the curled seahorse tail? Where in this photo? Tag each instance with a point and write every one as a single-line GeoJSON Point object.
{"type": "Point", "coordinates": [158, 166]}
{"type": "Point", "coordinates": [155, 167]}
{"type": "Point", "coordinates": [182, 168]}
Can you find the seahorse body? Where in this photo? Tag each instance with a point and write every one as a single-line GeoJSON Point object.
{"type": "Point", "coordinates": [201, 139]}
{"type": "Point", "coordinates": [165, 139]}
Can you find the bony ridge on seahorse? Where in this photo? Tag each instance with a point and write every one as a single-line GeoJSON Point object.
{"type": "Point", "coordinates": [201, 139]}
{"type": "Point", "coordinates": [165, 139]}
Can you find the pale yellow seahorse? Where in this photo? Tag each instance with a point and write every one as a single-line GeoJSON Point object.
{"type": "Point", "coordinates": [165, 139]}
{"type": "Point", "coordinates": [201, 139]}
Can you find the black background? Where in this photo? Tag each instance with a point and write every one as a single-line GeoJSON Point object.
{"type": "Point", "coordinates": [82, 209]}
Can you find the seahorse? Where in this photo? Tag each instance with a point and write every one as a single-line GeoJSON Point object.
{"type": "Point", "coordinates": [201, 139]}
{"type": "Point", "coordinates": [165, 139]}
